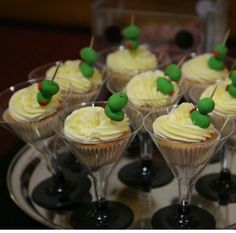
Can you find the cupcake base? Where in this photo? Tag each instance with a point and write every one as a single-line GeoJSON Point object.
{"type": "Point", "coordinates": [118, 216]}
{"type": "Point", "coordinates": [167, 218]}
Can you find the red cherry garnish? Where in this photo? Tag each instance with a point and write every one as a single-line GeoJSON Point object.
{"type": "Point", "coordinates": [40, 86]}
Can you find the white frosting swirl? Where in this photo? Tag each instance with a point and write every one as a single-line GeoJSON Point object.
{"type": "Point", "coordinates": [70, 71]}
{"type": "Point", "coordinates": [177, 125]}
{"type": "Point", "coordinates": [225, 104]}
{"type": "Point", "coordinates": [90, 124]}
{"type": "Point", "coordinates": [142, 90]}
{"type": "Point", "coordinates": [23, 105]}
{"type": "Point", "coordinates": [129, 62]}
{"type": "Point", "coordinates": [197, 69]}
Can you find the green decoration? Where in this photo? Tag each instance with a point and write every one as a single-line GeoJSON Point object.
{"type": "Point", "coordinates": [132, 44]}
{"type": "Point", "coordinates": [131, 32]}
{"type": "Point", "coordinates": [115, 116]}
{"type": "Point", "coordinates": [201, 120]}
{"type": "Point", "coordinates": [233, 77]}
{"type": "Point", "coordinates": [89, 55]}
{"type": "Point", "coordinates": [48, 88]}
{"type": "Point", "coordinates": [232, 90]}
{"type": "Point", "coordinates": [216, 63]}
{"type": "Point", "coordinates": [174, 72]}
{"type": "Point", "coordinates": [165, 86]}
{"type": "Point", "coordinates": [86, 70]}
{"type": "Point", "coordinates": [220, 51]}
{"type": "Point", "coordinates": [117, 101]}
{"type": "Point", "coordinates": [42, 100]}
{"type": "Point", "coordinates": [205, 105]}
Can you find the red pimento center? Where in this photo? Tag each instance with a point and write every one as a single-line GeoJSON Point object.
{"type": "Point", "coordinates": [171, 94]}
{"type": "Point", "coordinates": [166, 66]}
{"type": "Point", "coordinates": [40, 86]}
{"type": "Point", "coordinates": [216, 53]}
{"type": "Point", "coordinates": [129, 45]}
{"type": "Point", "coordinates": [43, 102]}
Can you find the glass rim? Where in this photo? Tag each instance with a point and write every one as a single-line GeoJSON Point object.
{"type": "Point", "coordinates": [94, 103]}
{"type": "Point", "coordinates": [218, 139]}
{"type": "Point", "coordinates": [23, 85]}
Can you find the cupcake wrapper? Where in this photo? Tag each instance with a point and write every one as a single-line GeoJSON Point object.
{"type": "Point", "coordinates": [36, 130]}
{"type": "Point", "coordinates": [101, 154]}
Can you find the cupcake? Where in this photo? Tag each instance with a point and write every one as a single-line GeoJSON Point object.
{"type": "Point", "coordinates": [32, 115]}
{"type": "Point", "coordinates": [183, 139]}
{"type": "Point", "coordinates": [129, 59]}
{"type": "Point", "coordinates": [207, 68]}
{"type": "Point", "coordinates": [82, 88]}
{"type": "Point", "coordinates": [149, 90]}
{"type": "Point", "coordinates": [97, 134]}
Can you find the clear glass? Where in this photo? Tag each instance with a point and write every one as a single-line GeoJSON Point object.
{"type": "Point", "coordinates": [75, 97]}
{"type": "Point", "coordinates": [224, 181]}
{"type": "Point", "coordinates": [149, 173]}
{"type": "Point", "coordinates": [187, 160]}
{"type": "Point", "coordinates": [100, 157]}
{"type": "Point", "coordinates": [38, 132]}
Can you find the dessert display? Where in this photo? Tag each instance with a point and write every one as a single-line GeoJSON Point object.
{"type": "Point", "coordinates": [220, 186]}
{"type": "Point", "coordinates": [33, 109]}
{"type": "Point", "coordinates": [129, 59]}
{"type": "Point", "coordinates": [84, 78]}
{"type": "Point", "coordinates": [98, 130]}
{"type": "Point", "coordinates": [187, 137]}
{"type": "Point", "coordinates": [98, 133]}
{"type": "Point", "coordinates": [207, 68]}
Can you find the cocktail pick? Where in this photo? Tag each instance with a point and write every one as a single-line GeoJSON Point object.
{"type": "Point", "coordinates": [47, 88]}
{"type": "Point", "coordinates": [89, 58]}
{"type": "Point", "coordinates": [131, 33]}
{"type": "Point", "coordinates": [219, 53]}
{"type": "Point", "coordinates": [114, 107]}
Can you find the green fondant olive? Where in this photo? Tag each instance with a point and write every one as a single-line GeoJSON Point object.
{"type": "Point", "coordinates": [232, 90]}
{"type": "Point", "coordinates": [174, 72]}
{"type": "Point", "coordinates": [89, 55]}
{"type": "Point", "coordinates": [86, 70]}
{"type": "Point", "coordinates": [131, 32]}
{"type": "Point", "coordinates": [115, 116]}
{"type": "Point", "coordinates": [233, 77]}
{"type": "Point", "coordinates": [117, 101]}
{"type": "Point", "coordinates": [201, 120]}
{"type": "Point", "coordinates": [205, 105]}
{"type": "Point", "coordinates": [165, 86]}
{"type": "Point", "coordinates": [42, 100]}
{"type": "Point", "coordinates": [216, 63]}
{"type": "Point", "coordinates": [48, 88]}
{"type": "Point", "coordinates": [132, 44]}
{"type": "Point", "coordinates": [220, 51]}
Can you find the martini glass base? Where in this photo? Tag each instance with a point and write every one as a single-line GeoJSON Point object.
{"type": "Point", "coordinates": [132, 175]}
{"type": "Point", "coordinates": [74, 191]}
{"type": "Point", "coordinates": [119, 215]}
{"type": "Point", "coordinates": [166, 218]}
{"type": "Point", "coordinates": [211, 188]}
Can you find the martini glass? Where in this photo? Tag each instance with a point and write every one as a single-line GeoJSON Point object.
{"type": "Point", "coordinates": [220, 186]}
{"type": "Point", "coordinates": [186, 160]}
{"type": "Point", "coordinates": [56, 192]}
{"type": "Point", "coordinates": [100, 157]}
{"type": "Point", "coordinates": [67, 160]}
{"type": "Point", "coordinates": [146, 173]}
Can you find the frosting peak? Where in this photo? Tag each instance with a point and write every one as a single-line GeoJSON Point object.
{"type": "Point", "coordinates": [177, 125]}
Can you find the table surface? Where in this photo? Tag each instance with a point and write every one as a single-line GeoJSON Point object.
{"type": "Point", "coordinates": [22, 49]}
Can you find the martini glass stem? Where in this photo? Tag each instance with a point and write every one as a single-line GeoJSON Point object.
{"type": "Point", "coordinates": [185, 191]}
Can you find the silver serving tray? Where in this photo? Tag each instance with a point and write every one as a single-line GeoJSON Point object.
{"type": "Point", "coordinates": [27, 170]}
